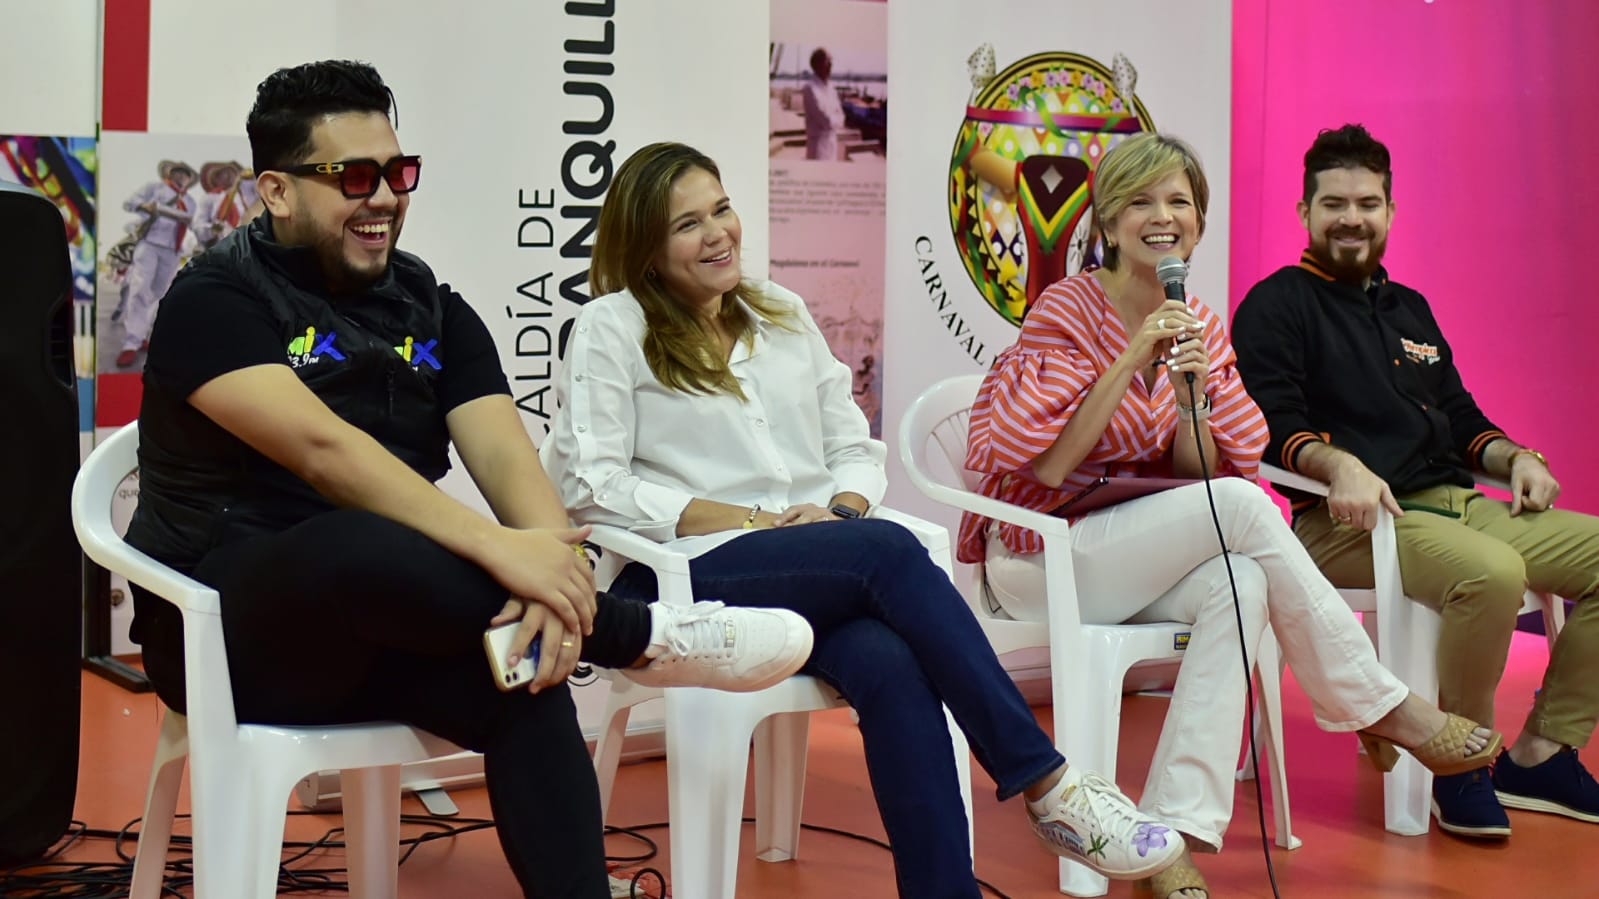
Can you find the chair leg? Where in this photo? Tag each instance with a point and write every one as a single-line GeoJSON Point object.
{"type": "Point", "coordinates": [963, 773]}
{"type": "Point", "coordinates": [1092, 729]}
{"type": "Point", "coordinates": [781, 747]}
{"type": "Point", "coordinates": [1269, 733]}
{"type": "Point", "coordinates": [1409, 647]}
{"type": "Point", "coordinates": [1554, 617]}
{"type": "Point", "coordinates": [160, 805]}
{"type": "Point", "coordinates": [619, 704]}
{"type": "Point", "coordinates": [707, 759]}
{"type": "Point", "coordinates": [372, 830]}
{"type": "Point", "coordinates": [238, 827]}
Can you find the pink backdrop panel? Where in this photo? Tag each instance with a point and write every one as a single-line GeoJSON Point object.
{"type": "Point", "coordinates": [1489, 109]}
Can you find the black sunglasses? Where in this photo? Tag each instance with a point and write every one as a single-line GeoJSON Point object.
{"type": "Point", "coordinates": [359, 178]}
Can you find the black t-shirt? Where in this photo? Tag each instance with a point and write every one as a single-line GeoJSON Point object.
{"type": "Point", "coordinates": [210, 324]}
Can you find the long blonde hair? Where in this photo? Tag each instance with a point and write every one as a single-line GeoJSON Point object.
{"type": "Point", "coordinates": [682, 351]}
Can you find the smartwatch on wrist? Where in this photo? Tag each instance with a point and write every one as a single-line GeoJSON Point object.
{"type": "Point", "coordinates": [843, 511]}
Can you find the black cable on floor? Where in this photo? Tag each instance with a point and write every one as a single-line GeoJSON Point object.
{"type": "Point", "coordinates": [45, 878]}
{"type": "Point", "coordinates": [858, 837]}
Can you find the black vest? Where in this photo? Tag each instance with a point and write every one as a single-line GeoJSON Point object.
{"type": "Point", "coordinates": [374, 359]}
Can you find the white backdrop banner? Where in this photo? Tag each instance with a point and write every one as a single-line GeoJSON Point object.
{"type": "Point", "coordinates": [520, 138]}
{"type": "Point", "coordinates": [998, 121]}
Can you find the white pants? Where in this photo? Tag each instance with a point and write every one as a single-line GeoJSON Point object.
{"type": "Point", "coordinates": [149, 276]}
{"type": "Point", "coordinates": [1156, 559]}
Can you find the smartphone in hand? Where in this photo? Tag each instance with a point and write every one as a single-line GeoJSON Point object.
{"type": "Point", "coordinates": [497, 643]}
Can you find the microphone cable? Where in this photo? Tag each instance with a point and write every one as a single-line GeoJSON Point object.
{"type": "Point", "coordinates": [1243, 644]}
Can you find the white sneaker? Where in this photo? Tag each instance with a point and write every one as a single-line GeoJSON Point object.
{"type": "Point", "coordinates": [739, 650]}
{"type": "Point", "coordinates": [1087, 819]}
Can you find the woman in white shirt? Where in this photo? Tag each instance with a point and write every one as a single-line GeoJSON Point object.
{"type": "Point", "coordinates": [700, 408]}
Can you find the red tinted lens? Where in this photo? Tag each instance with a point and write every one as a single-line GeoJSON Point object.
{"type": "Point", "coordinates": [359, 179]}
{"type": "Point", "coordinates": [403, 174]}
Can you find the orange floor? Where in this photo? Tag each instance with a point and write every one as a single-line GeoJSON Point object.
{"type": "Point", "coordinates": [1337, 808]}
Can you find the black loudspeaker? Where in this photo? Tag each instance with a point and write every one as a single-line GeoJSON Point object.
{"type": "Point", "coordinates": [41, 616]}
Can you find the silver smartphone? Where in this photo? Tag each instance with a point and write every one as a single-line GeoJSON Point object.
{"type": "Point", "coordinates": [497, 643]}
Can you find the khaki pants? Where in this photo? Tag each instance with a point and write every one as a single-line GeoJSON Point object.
{"type": "Point", "coordinates": [1473, 562]}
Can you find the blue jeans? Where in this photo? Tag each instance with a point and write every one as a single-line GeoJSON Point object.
{"type": "Point", "coordinates": [896, 638]}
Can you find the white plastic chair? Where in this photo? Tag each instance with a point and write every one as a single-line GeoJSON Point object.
{"type": "Point", "coordinates": [1406, 633]}
{"type": "Point", "coordinates": [1088, 727]}
{"type": "Point", "coordinates": [708, 739]}
{"type": "Point", "coordinates": [241, 774]}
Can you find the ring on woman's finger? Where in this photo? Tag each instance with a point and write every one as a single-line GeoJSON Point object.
{"type": "Point", "coordinates": [1161, 324]}
{"type": "Point", "coordinates": [566, 644]}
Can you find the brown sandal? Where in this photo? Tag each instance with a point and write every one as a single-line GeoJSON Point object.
{"type": "Point", "coordinates": [1179, 875]}
{"type": "Point", "coordinates": [1443, 753]}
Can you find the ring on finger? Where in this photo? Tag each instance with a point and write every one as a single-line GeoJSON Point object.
{"type": "Point", "coordinates": [566, 644]}
{"type": "Point", "coordinates": [1161, 324]}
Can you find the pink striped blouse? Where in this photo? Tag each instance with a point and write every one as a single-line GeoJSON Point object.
{"type": "Point", "coordinates": [1070, 338]}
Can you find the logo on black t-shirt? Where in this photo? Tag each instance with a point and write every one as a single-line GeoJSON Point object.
{"type": "Point", "coordinates": [419, 353]}
{"type": "Point", "coordinates": [1419, 353]}
{"type": "Point", "coordinates": [313, 347]}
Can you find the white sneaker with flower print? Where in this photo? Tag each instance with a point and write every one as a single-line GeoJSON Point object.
{"type": "Point", "coordinates": [1087, 819]}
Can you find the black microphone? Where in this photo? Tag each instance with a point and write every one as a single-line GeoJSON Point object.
{"type": "Point", "coordinates": [1172, 272]}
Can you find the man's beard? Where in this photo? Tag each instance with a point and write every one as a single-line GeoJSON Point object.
{"type": "Point", "coordinates": [341, 276]}
{"type": "Point", "coordinates": [1349, 266]}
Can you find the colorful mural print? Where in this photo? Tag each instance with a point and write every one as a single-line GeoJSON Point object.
{"type": "Point", "coordinates": [64, 169]}
{"type": "Point", "coordinates": [1023, 164]}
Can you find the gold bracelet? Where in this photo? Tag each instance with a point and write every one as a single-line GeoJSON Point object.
{"type": "Point", "coordinates": [749, 522]}
{"type": "Point", "coordinates": [1526, 451]}
{"type": "Point", "coordinates": [1195, 413]}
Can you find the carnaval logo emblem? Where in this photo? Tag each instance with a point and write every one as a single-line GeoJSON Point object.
{"type": "Point", "coordinates": [1023, 161]}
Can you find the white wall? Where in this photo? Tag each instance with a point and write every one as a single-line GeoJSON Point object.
{"type": "Point", "coordinates": [48, 75]}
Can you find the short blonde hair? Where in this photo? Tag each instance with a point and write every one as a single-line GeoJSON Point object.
{"type": "Point", "coordinates": [1131, 167]}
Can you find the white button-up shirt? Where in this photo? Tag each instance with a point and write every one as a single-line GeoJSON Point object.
{"type": "Point", "coordinates": [625, 450]}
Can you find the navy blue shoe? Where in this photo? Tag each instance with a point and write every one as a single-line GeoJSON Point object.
{"type": "Point", "coordinates": [1465, 804]}
{"type": "Point", "coordinates": [1559, 786]}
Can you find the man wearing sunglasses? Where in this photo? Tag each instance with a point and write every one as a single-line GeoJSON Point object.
{"type": "Point", "coordinates": [304, 383]}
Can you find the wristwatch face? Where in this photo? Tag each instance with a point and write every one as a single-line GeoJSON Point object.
{"type": "Point", "coordinates": [843, 511]}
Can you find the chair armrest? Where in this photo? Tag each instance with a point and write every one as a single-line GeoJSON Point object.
{"type": "Point", "coordinates": [1487, 480]}
{"type": "Point", "coordinates": [1048, 525]}
{"type": "Point", "coordinates": [1284, 478]}
{"type": "Point", "coordinates": [112, 554]}
{"type": "Point", "coordinates": [662, 558]}
{"type": "Point", "coordinates": [1273, 474]}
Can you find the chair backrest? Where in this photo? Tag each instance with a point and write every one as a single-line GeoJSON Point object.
{"type": "Point", "coordinates": [102, 473]}
{"type": "Point", "coordinates": [940, 418]}
{"type": "Point", "coordinates": [208, 686]}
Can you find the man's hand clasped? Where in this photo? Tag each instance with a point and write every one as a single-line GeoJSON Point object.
{"type": "Point", "coordinates": [552, 590]}
{"type": "Point", "coordinates": [1354, 494]}
{"type": "Point", "coordinates": [1532, 487]}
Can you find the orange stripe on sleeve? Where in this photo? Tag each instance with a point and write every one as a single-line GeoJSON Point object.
{"type": "Point", "coordinates": [1479, 445]}
{"type": "Point", "coordinates": [1294, 444]}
